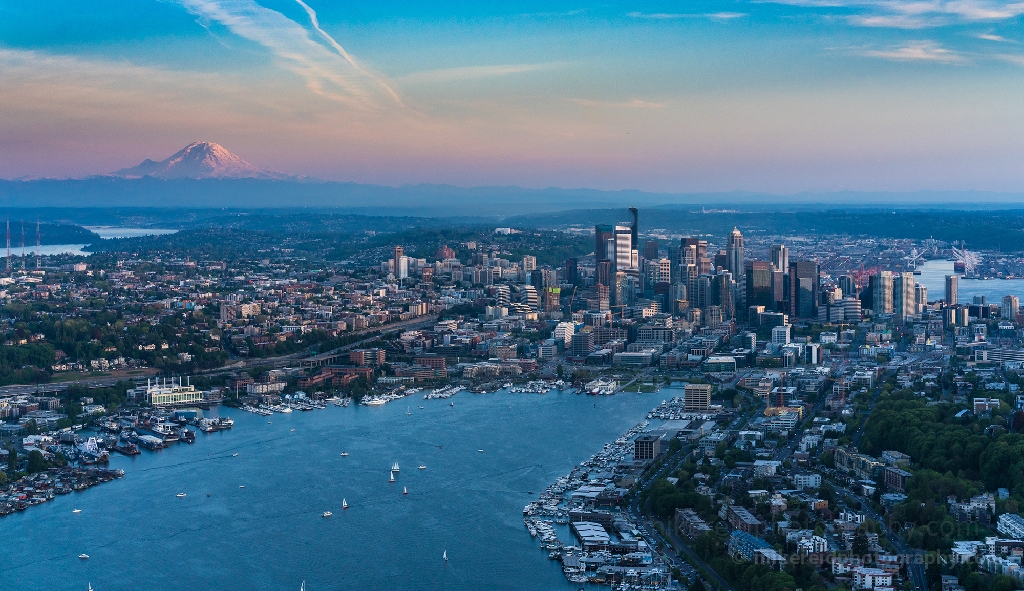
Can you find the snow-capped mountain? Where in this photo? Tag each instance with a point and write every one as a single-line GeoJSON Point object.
{"type": "Point", "coordinates": [200, 160]}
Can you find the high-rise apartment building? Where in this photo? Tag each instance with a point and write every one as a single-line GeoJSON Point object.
{"type": "Point", "coordinates": [904, 302]}
{"type": "Point", "coordinates": [623, 258]}
{"type": "Point", "coordinates": [1009, 307]}
{"type": "Point", "coordinates": [848, 284]}
{"type": "Point", "coordinates": [920, 297]}
{"type": "Point", "coordinates": [881, 293]}
{"type": "Point", "coordinates": [951, 291]}
{"type": "Point", "coordinates": [529, 263]}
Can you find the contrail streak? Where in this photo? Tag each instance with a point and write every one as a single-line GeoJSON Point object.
{"type": "Point", "coordinates": [344, 54]}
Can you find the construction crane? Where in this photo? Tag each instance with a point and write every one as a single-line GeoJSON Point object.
{"type": "Point", "coordinates": [913, 258]}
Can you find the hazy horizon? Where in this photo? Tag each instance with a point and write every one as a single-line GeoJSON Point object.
{"type": "Point", "coordinates": [775, 97]}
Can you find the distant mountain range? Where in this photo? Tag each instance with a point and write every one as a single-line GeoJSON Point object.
{"type": "Point", "coordinates": [200, 160]}
{"type": "Point", "coordinates": [205, 175]}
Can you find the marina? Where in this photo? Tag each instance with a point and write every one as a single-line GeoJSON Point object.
{"type": "Point", "coordinates": [467, 499]}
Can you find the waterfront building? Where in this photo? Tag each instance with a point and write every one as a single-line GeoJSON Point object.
{"type": "Point", "coordinates": [161, 394]}
{"type": "Point", "coordinates": [646, 447]}
{"type": "Point", "coordinates": [697, 397]}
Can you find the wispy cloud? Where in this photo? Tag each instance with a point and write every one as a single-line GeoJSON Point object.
{"type": "Point", "coordinates": [475, 72]}
{"type": "Point", "coordinates": [993, 37]}
{"type": "Point", "coordinates": [918, 51]}
{"type": "Point", "coordinates": [1012, 58]}
{"type": "Point", "coordinates": [333, 72]}
{"type": "Point", "coordinates": [917, 14]}
{"type": "Point", "coordinates": [682, 15]}
{"type": "Point", "coordinates": [631, 104]}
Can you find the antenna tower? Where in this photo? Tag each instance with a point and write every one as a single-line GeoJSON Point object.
{"type": "Point", "coordinates": [38, 244]}
{"type": "Point", "coordinates": [8, 259]}
{"type": "Point", "coordinates": [22, 245]}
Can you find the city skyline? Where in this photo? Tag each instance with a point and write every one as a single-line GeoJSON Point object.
{"type": "Point", "coordinates": [772, 96]}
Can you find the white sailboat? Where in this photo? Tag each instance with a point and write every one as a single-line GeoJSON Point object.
{"type": "Point", "coordinates": [344, 504]}
{"type": "Point", "coordinates": [408, 411]}
{"type": "Point", "coordinates": [405, 491]}
{"type": "Point", "coordinates": [392, 477]}
{"type": "Point", "coordinates": [445, 556]}
{"type": "Point", "coordinates": [395, 467]}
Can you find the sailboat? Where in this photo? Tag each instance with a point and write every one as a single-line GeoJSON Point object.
{"type": "Point", "coordinates": [408, 411]}
{"type": "Point", "coordinates": [344, 504]}
{"type": "Point", "coordinates": [445, 556]}
{"type": "Point", "coordinates": [405, 491]}
{"type": "Point", "coordinates": [395, 467]}
{"type": "Point", "coordinates": [392, 477]}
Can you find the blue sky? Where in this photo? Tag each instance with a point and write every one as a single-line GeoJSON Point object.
{"type": "Point", "coordinates": [800, 95]}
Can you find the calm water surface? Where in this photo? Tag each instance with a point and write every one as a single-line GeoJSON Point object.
{"type": "Point", "coordinates": [271, 535]}
{"type": "Point", "coordinates": [933, 276]}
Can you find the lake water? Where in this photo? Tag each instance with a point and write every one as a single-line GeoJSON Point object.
{"type": "Point", "coordinates": [933, 276]}
{"type": "Point", "coordinates": [104, 232]}
{"type": "Point", "coordinates": [270, 535]}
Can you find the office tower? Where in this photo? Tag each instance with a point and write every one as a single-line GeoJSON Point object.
{"type": "Point", "coordinates": [604, 272]}
{"type": "Point", "coordinates": [951, 292]}
{"type": "Point", "coordinates": [713, 316]}
{"type": "Point", "coordinates": [664, 271]}
{"type": "Point", "coordinates": [699, 253]}
{"type": "Point", "coordinates": [602, 234]}
{"type": "Point", "coordinates": [734, 253]}
{"type": "Point", "coordinates": [778, 291]}
{"type": "Point", "coordinates": [703, 292]}
{"type": "Point", "coordinates": [625, 290]}
{"type": "Point", "coordinates": [722, 288]}
{"type": "Point", "coordinates": [780, 258]}
{"type": "Point", "coordinates": [848, 284]}
{"type": "Point", "coordinates": [689, 276]}
{"type": "Point", "coordinates": [582, 344]}
{"type": "Point", "coordinates": [803, 289]}
{"type": "Point", "coordinates": [623, 258]}
{"type": "Point", "coordinates": [537, 279]}
{"type": "Point", "coordinates": [903, 295]}
{"type": "Point", "coordinates": [758, 284]}
{"type": "Point", "coordinates": [401, 265]}
{"type": "Point", "coordinates": [603, 301]}
{"type": "Point", "coordinates": [881, 292]}
{"type": "Point", "coordinates": [734, 264]}
{"type": "Point", "coordinates": [529, 263]}
{"type": "Point", "coordinates": [651, 250]}
{"type": "Point", "coordinates": [1010, 306]}
{"type": "Point", "coordinates": [571, 273]}
{"type": "Point", "coordinates": [634, 229]}
{"type": "Point", "coordinates": [720, 260]}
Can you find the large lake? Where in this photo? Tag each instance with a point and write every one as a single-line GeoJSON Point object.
{"type": "Point", "coordinates": [104, 232]}
{"type": "Point", "coordinates": [270, 535]}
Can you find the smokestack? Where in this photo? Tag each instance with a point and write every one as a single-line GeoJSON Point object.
{"type": "Point", "coordinates": [635, 228]}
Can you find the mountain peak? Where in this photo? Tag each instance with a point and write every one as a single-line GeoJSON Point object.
{"type": "Point", "coordinates": [200, 160]}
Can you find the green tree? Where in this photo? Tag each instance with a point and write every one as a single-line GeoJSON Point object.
{"type": "Point", "coordinates": [36, 462]}
{"type": "Point", "coordinates": [861, 547]}
{"type": "Point", "coordinates": [560, 371]}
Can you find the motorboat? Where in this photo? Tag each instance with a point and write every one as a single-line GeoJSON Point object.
{"type": "Point", "coordinates": [84, 556]}
{"type": "Point", "coordinates": [234, 455]}
{"type": "Point", "coordinates": [344, 454]}
{"type": "Point", "coordinates": [422, 467]}
{"type": "Point", "coordinates": [181, 495]}
{"type": "Point", "coordinates": [77, 511]}
{"type": "Point", "coordinates": [328, 513]}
